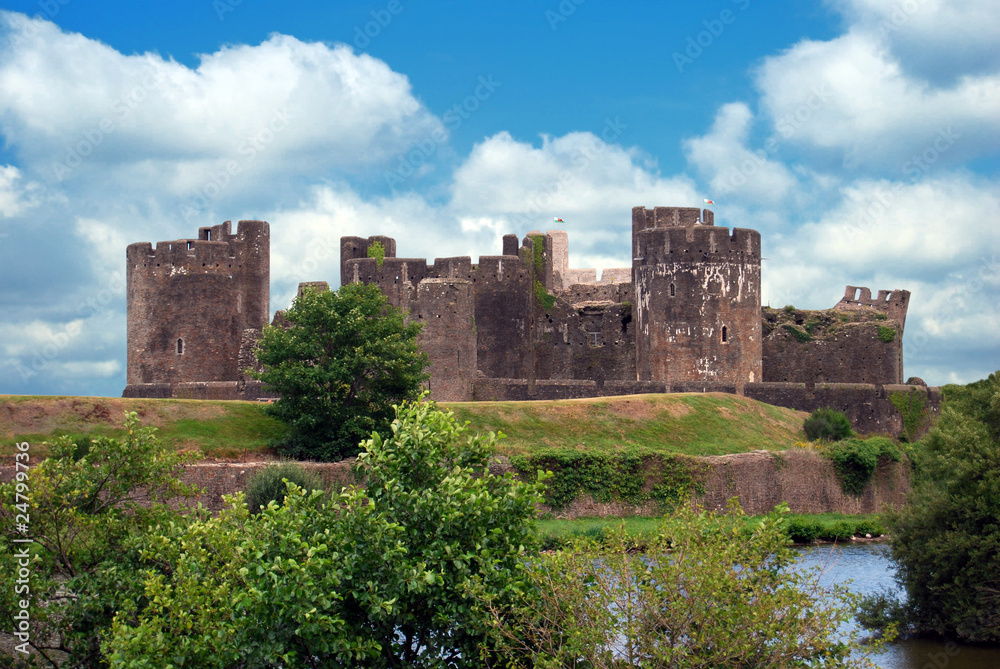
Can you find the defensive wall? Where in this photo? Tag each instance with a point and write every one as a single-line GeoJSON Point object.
{"type": "Point", "coordinates": [685, 317]}
{"type": "Point", "coordinates": [189, 302]}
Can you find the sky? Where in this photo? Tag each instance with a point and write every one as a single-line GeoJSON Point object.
{"type": "Point", "coordinates": [861, 138]}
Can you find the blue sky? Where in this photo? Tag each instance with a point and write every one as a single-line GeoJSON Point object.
{"type": "Point", "coordinates": [860, 137]}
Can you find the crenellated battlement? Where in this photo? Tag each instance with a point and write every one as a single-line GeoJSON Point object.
{"type": "Point", "coordinates": [893, 303]}
{"type": "Point", "coordinates": [695, 244]}
{"type": "Point", "coordinates": [215, 250]}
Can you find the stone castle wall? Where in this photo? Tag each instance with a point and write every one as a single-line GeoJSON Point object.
{"type": "Point", "coordinates": [189, 302]}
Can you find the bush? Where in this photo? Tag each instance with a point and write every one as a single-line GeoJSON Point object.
{"type": "Point", "coordinates": [803, 530]}
{"type": "Point", "coordinates": [842, 530]}
{"type": "Point", "coordinates": [827, 424]}
{"type": "Point", "coordinates": [708, 591]}
{"type": "Point", "coordinates": [268, 484]}
{"type": "Point", "coordinates": [856, 459]}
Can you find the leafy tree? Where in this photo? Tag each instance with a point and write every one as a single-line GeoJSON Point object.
{"type": "Point", "coordinates": [84, 510]}
{"type": "Point", "coordinates": [707, 592]}
{"type": "Point", "coordinates": [346, 359]}
{"type": "Point", "coordinates": [946, 541]}
{"type": "Point", "coordinates": [386, 577]}
{"type": "Point", "coordinates": [827, 424]}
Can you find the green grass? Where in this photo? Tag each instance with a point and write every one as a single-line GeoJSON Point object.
{"type": "Point", "coordinates": [689, 423]}
{"type": "Point", "coordinates": [555, 532]}
{"type": "Point", "coordinates": [218, 429]}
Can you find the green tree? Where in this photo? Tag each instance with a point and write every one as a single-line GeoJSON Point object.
{"type": "Point", "coordinates": [84, 511]}
{"type": "Point", "coordinates": [827, 424]}
{"type": "Point", "coordinates": [707, 592]}
{"type": "Point", "coordinates": [946, 541]}
{"type": "Point", "coordinates": [345, 360]}
{"type": "Point", "coordinates": [383, 577]}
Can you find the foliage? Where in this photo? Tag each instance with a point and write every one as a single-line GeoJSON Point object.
{"type": "Point", "coordinates": [83, 511]}
{"type": "Point", "coordinates": [912, 406]}
{"type": "Point", "coordinates": [886, 333]}
{"type": "Point", "coordinates": [946, 541]}
{"type": "Point", "coordinates": [270, 483]}
{"type": "Point", "coordinates": [802, 530]}
{"type": "Point", "coordinates": [346, 359]}
{"type": "Point", "coordinates": [380, 578]}
{"type": "Point", "coordinates": [377, 250]}
{"type": "Point", "coordinates": [545, 299]}
{"type": "Point", "coordinates": [709, 592]}
{"type": "Point", "coordinates": [621, 476]}
{"type": "Point", "coordinates": [798, 333]}
{"type": "Point", "coordinates": [827, 424]}
{"type": "Point", "coordinates": [856, 459]}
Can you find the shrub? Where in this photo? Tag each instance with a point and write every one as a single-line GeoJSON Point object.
{"type": "Point", "coordinates": [827, 424]}
{"type": "Point", "coordinates": [803, 530]}
{"type": "Point", "coordinates": [842, 530]}
{"type": "Point", "coordinates": [681, 603]}
{"type": "Point", "coordinates": [872, 527]}
{"type": "Point", "coordinates": [269, 484]}
{"type": "Point", "coordinates": [886, 333]}
{"type": "Point", "coordinates": [798, 333]}
{"type": "Point", "coordinates": [855, 460]}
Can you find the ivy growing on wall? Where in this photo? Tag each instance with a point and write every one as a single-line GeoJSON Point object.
{"type": "Point", "coordinates": [798, 333]}
{"type": "Point", "coordinates": [544, 298]}
{"type": "Point", "coordinates": [855, 460]}
{"type": "Point", "coordinates": [912, 406]}
{"type": "Point", "coordinates": [377, 251]}
{"type": "Point", "coordinates": [886, 333]}
{"type": "Point", "coordinates": [634, 476]}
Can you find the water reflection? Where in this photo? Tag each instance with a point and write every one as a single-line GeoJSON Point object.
{"type": "Point", "coordinates": [871, 571]}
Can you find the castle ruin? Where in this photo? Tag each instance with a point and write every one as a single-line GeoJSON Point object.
{"type": "Point", "coordinates": [685, 317]}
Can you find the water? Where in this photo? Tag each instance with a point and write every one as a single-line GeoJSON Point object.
{"type": "Point", "coordinates": [869, 569]}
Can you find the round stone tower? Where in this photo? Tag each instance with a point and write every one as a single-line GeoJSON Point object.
{"type": "Point", "coordinates": [190, 300]}
{"type": "Point", "coordinates": [697, 299]}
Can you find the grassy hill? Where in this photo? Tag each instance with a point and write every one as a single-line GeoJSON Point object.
{"type": "Point", "coordinates": [691, 423]}
{"type": "Point", "coordinates": [696, 424]}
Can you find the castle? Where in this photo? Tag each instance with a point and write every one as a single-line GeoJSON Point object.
{"type": "Point", "coordinates": [685, 317]}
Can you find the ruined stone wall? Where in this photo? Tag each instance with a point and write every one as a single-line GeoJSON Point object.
{"type": "Point", "coordinates": [593, 340]}
{"type": "Point", "coordinates": [446, 309]}
{"type": "Point", "coordinates": [853, 345]}
{"type": "Point", "coordinates": [697, 300]}
{"type": "Point", "coordinates": [189, 302]}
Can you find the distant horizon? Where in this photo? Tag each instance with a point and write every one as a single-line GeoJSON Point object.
{"type": "Point", "coordinates": [861, 138]}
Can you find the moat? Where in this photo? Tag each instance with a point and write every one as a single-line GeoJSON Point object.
{"type": "Point", "coordinates": [870, 570]}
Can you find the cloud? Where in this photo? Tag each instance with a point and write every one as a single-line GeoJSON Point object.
{"type": "Point", "coordinates": [69, 104]}
{"type": "Point", "coordinates": [15, 198]}
{"type": "Point", "coordinates": [936, 39]}
{"type": "Point", "coordinates": [850, 96]}
{"type": "Point", "coordinates": [723, 158]}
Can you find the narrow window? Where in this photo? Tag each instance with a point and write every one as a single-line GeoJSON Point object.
{"type": "Point", "coordinates": [208, 236]}
{"type": "Point", "coordinates": [724, 334]}
{"type": "Point", "coordinates": [189, 246]}
{"type": "Point", "coordinates": [180, 346]}
{"type": "Point", "coordinates": [672, 290]}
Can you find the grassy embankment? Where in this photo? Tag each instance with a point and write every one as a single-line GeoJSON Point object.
{"type": "Point", "coordinates": [693, 424]}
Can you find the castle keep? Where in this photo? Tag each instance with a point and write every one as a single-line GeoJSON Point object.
{"type": "Point", "coordinates": [686, 316]}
